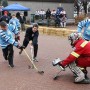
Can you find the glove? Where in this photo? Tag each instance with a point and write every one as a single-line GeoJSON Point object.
{"type": "Point", "coordinates": [17, 37]}
{"type": "Point", "coordinates": [20, 47]}
{"type": "Point", "coordinates": [56, 61]}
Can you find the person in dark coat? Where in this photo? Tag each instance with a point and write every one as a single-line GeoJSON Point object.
{"type": "Point", "coordinates": [22, 20]}
{"type": "Point", "coordinates": [5, 17]}
{"type": "Point", "coordinates": [48, 16]}
{"type": "Point", "coordinates": [32, 34]}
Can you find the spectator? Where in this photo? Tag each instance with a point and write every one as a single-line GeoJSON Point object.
{"type": "Point", "coordinates": [63, 18]}
{"type": "Point", "coordinates": [5, 17]}
{"type": "Point", "coordinates": [42, 14]}
{"type": "Point", "coordinates": [22, 20]}
{"type": "Point", "coordinates": [53, 12]}
{"type": "Point", "coordinates": [18, 15]}
{"type": "Point", "coordinates": [57, 18]}
{"type": "Point", "coordinates": [48, 15]}
{"type": "Point", "coordinates": [37, 13]}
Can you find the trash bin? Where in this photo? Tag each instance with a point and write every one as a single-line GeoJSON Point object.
{"type": "Point", "coordinates": [32, 18]}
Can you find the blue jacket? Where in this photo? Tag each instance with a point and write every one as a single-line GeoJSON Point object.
{"type": "Point", "coordinates": [6, 38]}
{"type": "Point", "coordinates": [15, 21]}
{"type": "Point", "coordinates": [13, 29]}
{"type": "Point", "coordinates": [85, 24]}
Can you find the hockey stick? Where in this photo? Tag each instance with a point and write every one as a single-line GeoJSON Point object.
{"type": "Point", "coordinates": [31, 50]}
{"type": "Point", "coordinates": [41, 72]}
{"type": "Point", "coordinates": [56, 62]}
{"type": "Point", "coordinates": [57, 75]}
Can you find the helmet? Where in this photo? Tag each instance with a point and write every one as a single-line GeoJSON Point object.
{"type": "Point", "coordinates": [73, 37]}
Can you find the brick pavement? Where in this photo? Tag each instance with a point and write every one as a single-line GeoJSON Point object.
{"type": "Point", "coordinates": [22, 78]}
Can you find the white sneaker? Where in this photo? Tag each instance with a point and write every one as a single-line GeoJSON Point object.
{"type": "Point", "coordinates": [35, 59]}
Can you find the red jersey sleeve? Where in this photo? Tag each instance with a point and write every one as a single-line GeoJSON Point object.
{"type": "Point", "coordinates": [79, 49]}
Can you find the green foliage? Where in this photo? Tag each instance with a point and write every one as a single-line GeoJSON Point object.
{"type": "Point", "coordinates": [0, 2]}
{"type": "Point", "coordinates": [4, 3]}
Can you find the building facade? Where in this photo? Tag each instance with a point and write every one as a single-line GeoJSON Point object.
{"type": "Point", "coordinates": [34, 5]}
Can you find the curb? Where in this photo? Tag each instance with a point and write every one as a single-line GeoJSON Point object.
{"type": "Point", "coordinates": [54, 31]}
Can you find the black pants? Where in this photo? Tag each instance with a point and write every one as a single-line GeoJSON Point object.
{"type": "Point", "coordinates": [35, 45]}
{"type": "Point", "coordinates": [8, 54]}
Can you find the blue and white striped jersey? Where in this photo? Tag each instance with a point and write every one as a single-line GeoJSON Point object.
{"type": "Point", "coordinates": [13, 29]}
{"type": "Point", "coordinates": [85, 24]}
{"type": "Point", "coordinates": [6, 38]}
{"type": "Point", "coordinates": [15, 21]}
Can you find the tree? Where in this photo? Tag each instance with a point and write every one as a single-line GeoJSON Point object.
{"type": "Point", "coordinates": [4, 3]}
{"type": "Point", "coordinates": [84, 3]}
{"type": "Point", "coordinates": [77, 6]}
{"type": "Point", "coordinates": [0, 2]}
{"type": "Point", "coordinates": [0, 6]}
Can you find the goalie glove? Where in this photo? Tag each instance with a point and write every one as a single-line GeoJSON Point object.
{"type": "Point", "coordinates": [56, 61]}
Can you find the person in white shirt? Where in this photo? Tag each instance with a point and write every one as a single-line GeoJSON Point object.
{"type": "Point", "coordinates": [63, 18]}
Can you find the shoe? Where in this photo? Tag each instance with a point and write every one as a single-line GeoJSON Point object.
{"type": "Point", "coordinates": [11, 65]}
{"type": "Point", "coordinates": [35, 59]}
{"type": "Point", "coordinates": [86, 77]}
{"type": "Point", "coordinates": [85, 81]}
{"type": "Point", "coordinates": [74, 75]}
{"type": "Point", "coordinates": [5, 57]}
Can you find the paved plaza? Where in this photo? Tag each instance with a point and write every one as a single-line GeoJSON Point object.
{"type": "Point", "coordinates": [22, 78]}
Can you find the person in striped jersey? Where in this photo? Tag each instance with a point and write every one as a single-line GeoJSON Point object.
{"type": "Point", "coordinates": [84, 27]}
{"type": "Point", "coordinates": [15, 21]}
{"type": "Point", "coordinates": [7, 42]}
{"type": "Point", "coordinates": [13, 28]}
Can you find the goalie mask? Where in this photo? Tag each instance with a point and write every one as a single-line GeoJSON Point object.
{"type": "Point", "coordinates": [73, 37]}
